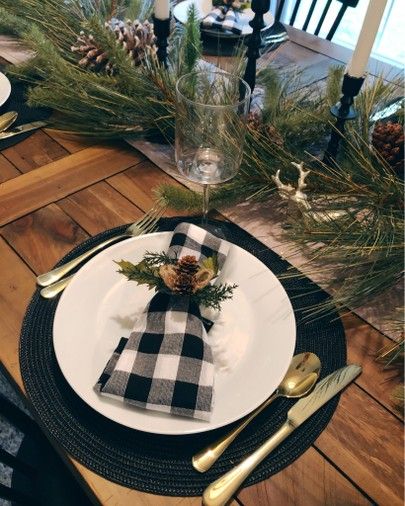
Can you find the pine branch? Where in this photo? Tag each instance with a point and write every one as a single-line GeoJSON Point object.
{"type": "Point", "coordinates": [214, 295]}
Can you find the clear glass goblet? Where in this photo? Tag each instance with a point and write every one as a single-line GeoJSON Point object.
{"type": "Point", "coordinates": [211, 114]}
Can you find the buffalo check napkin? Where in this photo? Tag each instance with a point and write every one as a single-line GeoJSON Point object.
{"type": "Point", "coordinates": [223, 18]}
{"type": "Point", "coordinates": [166, 363]}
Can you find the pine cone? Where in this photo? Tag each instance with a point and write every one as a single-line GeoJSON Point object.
{"type": "Point", "coordinates": [94, 58]}
{"type": "Point", "coordinates": [388, 141]}
{"type": "Point", "coordinates": [274, 135]}
{"type": "Point", "coordinates": [138, 40]}
{"type": "Point", "coordinates": [188, 265]}
{"type": "Point", "coordinates": [184, 283]}
{"type": "Point", "coordinates": [254, 120]}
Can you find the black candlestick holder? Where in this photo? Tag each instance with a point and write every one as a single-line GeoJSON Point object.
{"type": "Point", "coordinates": [161, 28]}
{"type": "Point", "coordinates": [342, 111]}
{"type": "Point", "coordinates": [254, 43]}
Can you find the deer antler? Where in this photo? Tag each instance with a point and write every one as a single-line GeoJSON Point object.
{"type": "Point", "coordinates": [288, 192]}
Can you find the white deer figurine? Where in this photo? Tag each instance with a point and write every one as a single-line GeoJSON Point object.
{"type": "Point", "coordinates": [298, 200]}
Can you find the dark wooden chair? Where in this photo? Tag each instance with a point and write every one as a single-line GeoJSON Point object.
{"type": "Point", "coordinates": [39, 477]}
{"type": "Point", "coordinates": [304, 27]}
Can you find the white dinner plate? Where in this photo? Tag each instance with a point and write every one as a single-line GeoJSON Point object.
{"type": "Point", "coordinates": [204, 7]}
{"type": "Point", "coordinates": [254, 335]}
{"type": "Point", "coordinates": [5, 88]}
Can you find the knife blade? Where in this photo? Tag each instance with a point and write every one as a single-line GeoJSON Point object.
{"type": "Point", "coordinates": [27, 127]}
{"type": "Point", "coordinates": [221, 490]}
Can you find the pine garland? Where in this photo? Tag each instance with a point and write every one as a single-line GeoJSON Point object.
{"type": "Point", "coordinates": [366, 241]}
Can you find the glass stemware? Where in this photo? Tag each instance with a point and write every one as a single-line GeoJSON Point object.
{"type": "Point", "coordinates": [211, 114]}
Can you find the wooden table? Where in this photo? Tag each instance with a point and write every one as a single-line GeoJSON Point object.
{"type": "Point", "coordinates": [57, 190]}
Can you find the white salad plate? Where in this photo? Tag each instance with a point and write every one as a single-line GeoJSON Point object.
{"type": "Point", "coordinates": [253, 339]}
{"type": "Point", "coordinates": [204, 7]}
{"type": "Point", "coordinates": [5, 88]}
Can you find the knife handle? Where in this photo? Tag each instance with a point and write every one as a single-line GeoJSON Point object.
{"type": "Point", "coordinates": [221, 490]}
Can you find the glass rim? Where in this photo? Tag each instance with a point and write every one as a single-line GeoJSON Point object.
{"type": "Point", "coordinates": [217, 72]}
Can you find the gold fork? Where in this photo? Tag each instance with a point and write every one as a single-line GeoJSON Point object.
{"type": "Point", "coordinates": [144, 225]}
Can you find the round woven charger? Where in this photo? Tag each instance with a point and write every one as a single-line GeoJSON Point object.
{"type": "Point", "coordinates": [162, 464]}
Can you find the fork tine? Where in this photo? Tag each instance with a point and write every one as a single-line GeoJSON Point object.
{"type": "Point", "coordinates": [150, 218]}
{"type": "Point", "coordinates": [144, 220]}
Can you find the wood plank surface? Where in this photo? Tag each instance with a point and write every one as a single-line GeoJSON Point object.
{"type": "Point", "coordinates": [99, 208]}
{"type": "Point", "coordinates": [17, 285]}
{"type": "Point", "coordinates": [35, 151]}
{"type": "Point", "coordinates": [56, 180]}
{"type": "Point", "coordinates": [137, 184]}
{"type": "Point", "coordinates": [363, 345]}
{"type": "Point", "coordinates": [7, 169]}
{"type": "Point", "coordinates": [365, 441]}
{"type": "Point", "coordinates": [309, 481]}
{"type": "Point", "coordinates": [43, 237]}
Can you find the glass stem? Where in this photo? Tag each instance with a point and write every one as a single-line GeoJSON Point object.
{"type": "Point", "coordinates": [206, 198]}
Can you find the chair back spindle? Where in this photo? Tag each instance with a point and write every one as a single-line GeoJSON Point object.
{"type": "Point", "coordinates": [311, 10]}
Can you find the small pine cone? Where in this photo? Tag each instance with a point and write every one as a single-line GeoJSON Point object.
{"type": "Point", "coordinates": [273, 135]}
{"type": "Point", "coordinates": [184, 283]}
{"type": "Point", "coordinates": [254, 120]}
{"type": "Point", "coordinates": [388, 140]}
{"type": "Point", "coordinates": [188, 265]}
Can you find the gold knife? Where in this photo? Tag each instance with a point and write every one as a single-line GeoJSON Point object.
{"type": "Point", "coordinates": [219, 492]}
{"type": "Point", "coordinates": [27, 127]}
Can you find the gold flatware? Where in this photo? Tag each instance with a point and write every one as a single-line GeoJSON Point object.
{"type": "Point", "coordinates": [219, 492]}
{"type": "Point", "coordinates": [7, 119]}
{"type": "Point", "coordinates": [21, 129]}
{"type": "Point", "coordinates": [51, 291]}
{"type": "Point", "coordinates": [299, 380]}
{"type": "Point", "coordinates": [144, 225]}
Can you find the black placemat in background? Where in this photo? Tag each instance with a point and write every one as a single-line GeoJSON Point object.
{"type": "Point", "coordinates": [17, 102]}
{"type": "Point", "coordinates": [162, 464]}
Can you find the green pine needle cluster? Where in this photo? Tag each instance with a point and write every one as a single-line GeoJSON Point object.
{"type": "Point", "coordinates": [212, 296]}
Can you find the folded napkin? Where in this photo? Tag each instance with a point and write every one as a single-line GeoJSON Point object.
{"type": "Point", "coordinates": [223, 18]}
{"type": "Point", "coordinates": [166, 364]}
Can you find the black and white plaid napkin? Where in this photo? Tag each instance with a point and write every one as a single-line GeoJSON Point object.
{"type": "Point", "coordinates": [223, 18]}
{"type": "Point", "coordinates": [166, 364]}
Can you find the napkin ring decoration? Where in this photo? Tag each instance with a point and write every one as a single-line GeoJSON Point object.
{"type": "Point", "coordinates": [180, 276]}
{"type": "Point", "coordinates": [166, 364]}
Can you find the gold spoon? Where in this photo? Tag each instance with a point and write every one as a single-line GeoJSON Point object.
{"type": "Point", "coordinates": [301, 376]}
{"type": "Point", "coordinates": [7, 119]}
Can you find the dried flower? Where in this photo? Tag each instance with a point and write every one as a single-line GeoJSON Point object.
{"type": "Point", "coordinates": [201, 278]}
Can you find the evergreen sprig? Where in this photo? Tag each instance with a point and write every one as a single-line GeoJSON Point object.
{"type": "Point", "coordinates": [213, 295]}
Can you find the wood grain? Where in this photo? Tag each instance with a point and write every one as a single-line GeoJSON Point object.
{"type": "Point", "coordinates": [22, 195]}
{"type": "Point", "coordinates": [17, 285]}
{"type": "Point", "coordinates": [100, 207]}
{"type": "Point", "coordinates": [43, 237]}
{"type": "Point", "coordinates": [366, 442]}
{"type": "Point", "coordinates": [7, 169]}
{"type": "Point", "coordinates": [309, 481]}
{"type": "Point", "coordinates": [363, 344]}
{"type": "Point", "coordinates": [137, 184]}
{"type": "Point", "coordinates": [74, 143]}
{"type": "Point", "coordinates": [35, 151]}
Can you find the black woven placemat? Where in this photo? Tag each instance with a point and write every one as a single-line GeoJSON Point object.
{"type": "Point", "coordinates": [162, 464]}
{"type": "Point", "coordinates": [17, 101]}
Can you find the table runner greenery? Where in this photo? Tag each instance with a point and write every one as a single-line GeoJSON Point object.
{"type": "Point", "coordinates": [350, 216]}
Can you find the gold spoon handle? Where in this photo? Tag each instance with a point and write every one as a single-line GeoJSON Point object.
{"type": "Point", "coordinates": [51, 291]}
{"type": "Point", "coordinates": [219, 492]}
{"type": "Point", "coordinates": [204, 459]}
